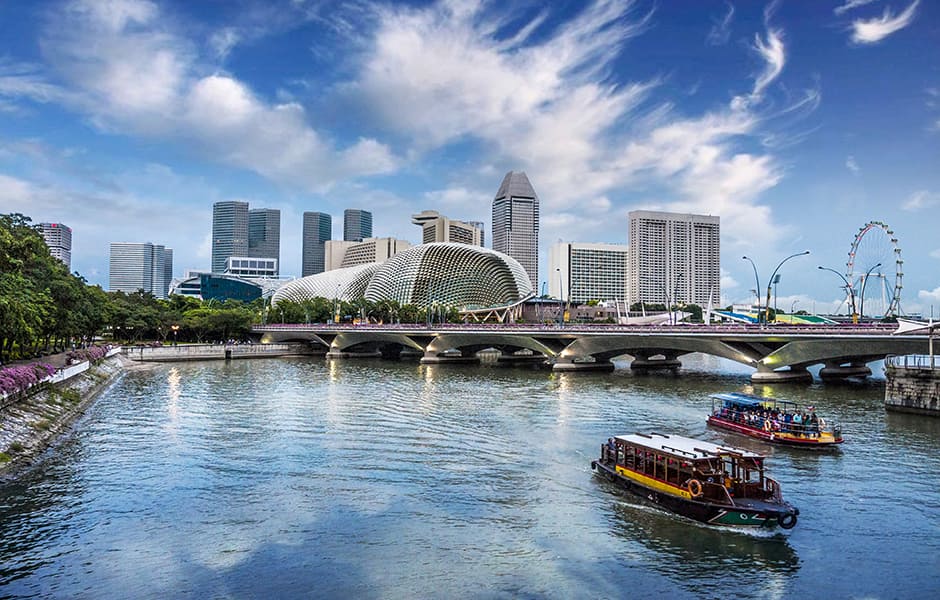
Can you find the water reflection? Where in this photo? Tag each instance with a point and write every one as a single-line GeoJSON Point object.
{"type": "Point", "coordinates": [700, 557]}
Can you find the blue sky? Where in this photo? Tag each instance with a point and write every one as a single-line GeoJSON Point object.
{"type": "Point", "coordinates": [795, 122]}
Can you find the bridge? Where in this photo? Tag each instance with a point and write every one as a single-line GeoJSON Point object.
{"type": "Point", "coordinates": [776, 352]}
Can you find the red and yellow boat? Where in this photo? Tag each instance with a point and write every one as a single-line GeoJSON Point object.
{"type": "Point", "coordinates": [719, 485]}
{"type": "Point", "coordinates": [777, 421]}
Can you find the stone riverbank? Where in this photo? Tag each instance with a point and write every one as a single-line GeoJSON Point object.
{"type": "Point", "coordinates": [29, 426]}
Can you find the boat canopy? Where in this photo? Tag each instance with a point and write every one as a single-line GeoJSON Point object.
{"type": "Point", "coordinates": [683, 447]}
{"type": "Point", "coordinates": [739, 399]}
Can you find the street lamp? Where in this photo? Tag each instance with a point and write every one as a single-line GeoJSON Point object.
{"type": "Point", "coordinates": [757, 286]}
{"type": "Point", "coordinates": [861, 309]}
{"type": "Point", "coordinates": [848, 288]}
{"type": "Point", "coordinates": [774, 274]}
{"type": "Point", "coordinates": [793, 305]}
{"type": "Point", "coordinates": [175, 328]}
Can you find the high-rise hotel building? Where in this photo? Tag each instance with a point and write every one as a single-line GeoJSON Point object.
{"type": "Point", "coordinates": [357, 225]}
{"type": "Point", "coordinates": [435, 227]}
{"type": "Point", "coordinates": [674, 258]}
{"type": "Point", "coordinates": [318, 229]}
{"type": "Point", "coordinates": [580, 272]}
{"type": "Point", "coordinates": [240, 232]}
{"type": "Point", "coordinates": [59, 239]}
{"type": "Point", "coordinates": [516, 222]}
{"type": "Point", "coordinates": [140, 267]}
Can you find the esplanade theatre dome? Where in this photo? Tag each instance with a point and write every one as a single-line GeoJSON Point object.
{"type": "Point", "coordinates": [458, 275]}
{"type": "Point", "coordinates": [343, 284]}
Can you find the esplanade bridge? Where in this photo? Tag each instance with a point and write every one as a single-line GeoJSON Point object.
{"type": "Point", "coordinates": [776, 352]}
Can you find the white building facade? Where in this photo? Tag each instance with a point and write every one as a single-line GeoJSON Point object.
{"type": "Point", "coordinates": [675, 258]}
{"type": "Point", "coordinates": [580, 272]}
{"type": "Point", "coordinates": [59, 239]}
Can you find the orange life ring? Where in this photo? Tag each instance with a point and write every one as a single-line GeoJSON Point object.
{"type": "Point", "coordinates": [766, 424]}
{"type": "Point", "coordinates": [695, 487]}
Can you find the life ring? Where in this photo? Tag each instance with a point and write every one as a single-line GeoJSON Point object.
{"type": "Point", "coordinates": [695, 487]}
{"type": "Point", "coordinates": [766, 424]}
{"type": "Point", "coordinates": [787, 521]}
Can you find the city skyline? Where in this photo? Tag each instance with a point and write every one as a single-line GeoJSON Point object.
{"type": "Point", "coordinates": [795, 123]}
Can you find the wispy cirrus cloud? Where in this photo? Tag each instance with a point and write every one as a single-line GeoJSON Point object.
{"type": "Point", "coordinates": [721, 29]}
{"type": "Point", "coordinates": [870, 31]}
{"type": "Point", "coordinates": [920, 200]}
{"type": "Point", "coordinates": [442, 75]}
{"type": "Point", "coordinates": [852, 165]}
{"type": "Point", "coordinates": [850, 5]}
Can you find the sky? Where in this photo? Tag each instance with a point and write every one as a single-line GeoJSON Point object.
{"type": "Point", "coordinates": [797, 123]}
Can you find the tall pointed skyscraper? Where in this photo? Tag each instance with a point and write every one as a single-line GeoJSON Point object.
{"type": "Point", "coordinates": [516, 223]}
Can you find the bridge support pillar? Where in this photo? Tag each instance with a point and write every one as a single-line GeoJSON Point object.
{"type": "Point", "coordinates": [582, 364]}
{"type": "Point", "coordinates": [837, 371]}
{"type": "Point", "coordinates": [650, 362]}
{"type": "Point", "coordinates": [434, 358]}
{"type": "Point", "coordinates": [333, 354]}
{"type": "Point", "coordinates": [793, 374]}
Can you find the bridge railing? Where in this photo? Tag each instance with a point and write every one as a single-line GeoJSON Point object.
{"type": "Point", "coordinates": [913, 361]}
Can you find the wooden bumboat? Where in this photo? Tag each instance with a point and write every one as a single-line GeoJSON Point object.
{"type": "Point", "coordinates": [714, 484]}
{"type": "Point", "coordinates": [772, 420]}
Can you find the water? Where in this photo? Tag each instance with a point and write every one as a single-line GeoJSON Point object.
{"type": "Point", "coordinates": [380, 479]}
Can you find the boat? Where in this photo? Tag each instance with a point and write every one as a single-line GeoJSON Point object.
{"type": "Point", "coordinates": [777, 421]}
{"type": "Point", "coordinates": [718, 485]}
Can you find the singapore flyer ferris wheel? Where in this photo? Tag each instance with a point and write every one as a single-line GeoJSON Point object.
{"type": "Point", "coordinates": [875, 270]}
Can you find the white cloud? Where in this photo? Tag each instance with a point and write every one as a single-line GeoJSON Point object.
{"type": "Point", "coordinates": [851, 165]}
{"type": "Point", "coordinates": [849, 5]}
{"type": "Point", "coordinates": [929, 295]}
{"type": "Point", "coordinates": [133, 74]}
{"type": "Point", "coordinates": [935, 253]}
{"type": "Point", "coordinates": [721, 30]}
{"type": "Point", "coordinates": [870, 31]}
{"type": "Point", "coordinates": [920, 200]}
{"type": "Point", "coordinates": [459, 198]}
{"type": "Point", "coordinates": [221, 42]}
{"type": "Point", "coordinates": [441, 76]}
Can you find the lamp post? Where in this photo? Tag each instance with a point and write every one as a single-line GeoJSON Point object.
{"type": "Point", "coordinates": [561, 299]}
{"type": "Point", "coordinates": [757, 286]}
{"type": "Point", "coordinates": [848, 288]}
{"type": "Point", "coordinates": [861, 308]}
{"type": "Point", "coordinates": [175, 328]}
{"type": "Point", "coordinates": [793, 305]}
{"type": "Point", "coordinates": [774, 274]}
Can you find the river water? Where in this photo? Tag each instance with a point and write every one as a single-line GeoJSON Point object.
{"type": "Point", "coordinates": [385, 479]}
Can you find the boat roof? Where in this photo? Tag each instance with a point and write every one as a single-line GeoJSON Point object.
{"type": "Point", "coordinates": [740, 399]}
{"type": "Point", "coordinates": [683, 447]}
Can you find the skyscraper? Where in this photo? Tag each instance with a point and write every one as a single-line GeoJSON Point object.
{"type": "Point", "coordinates": [579, 272]}
{"type": "Point", "coordinates": [674, 258]}
{"type": "Point", "coordinates": [516, 222]}
{"type": "Point", "coordinates": [318, 228]}
{"type": "Point", "coordinates": [357, 224]}
{"type": "Point", "coordinates": [264, 233]}
{"type": "Point", "coordinates": [229, 232]}
{"type": "Point", "coordinates": [59, 239]}
{"type": "Point", "coordinates": [140, 266]}
{"type": "Point", "coordinates": [435, 227]}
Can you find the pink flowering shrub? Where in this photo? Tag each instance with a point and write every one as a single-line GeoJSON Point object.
{"type": "Point", "coordinates": [21, 377]}
{"type": "Point", "coordinates": [91, 353]}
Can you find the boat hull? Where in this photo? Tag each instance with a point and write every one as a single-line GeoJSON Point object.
{"type": "Point", "coordinates": [776, 437]}
{"type": "Point", "coordinates": [704, 512]}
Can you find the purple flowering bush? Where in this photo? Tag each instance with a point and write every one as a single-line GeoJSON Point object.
{"type": "Point", "coordinates": [21, 377]}
{"type": "Point", "coordinates": [91, 353]}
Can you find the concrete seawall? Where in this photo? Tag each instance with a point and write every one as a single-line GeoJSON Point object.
{"type": "Point", "coordinates": [913, 384]}
{"type": "Point", "coordinates": [189, 352]}
{"type": "Point", "coordinates": [28, 426]}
